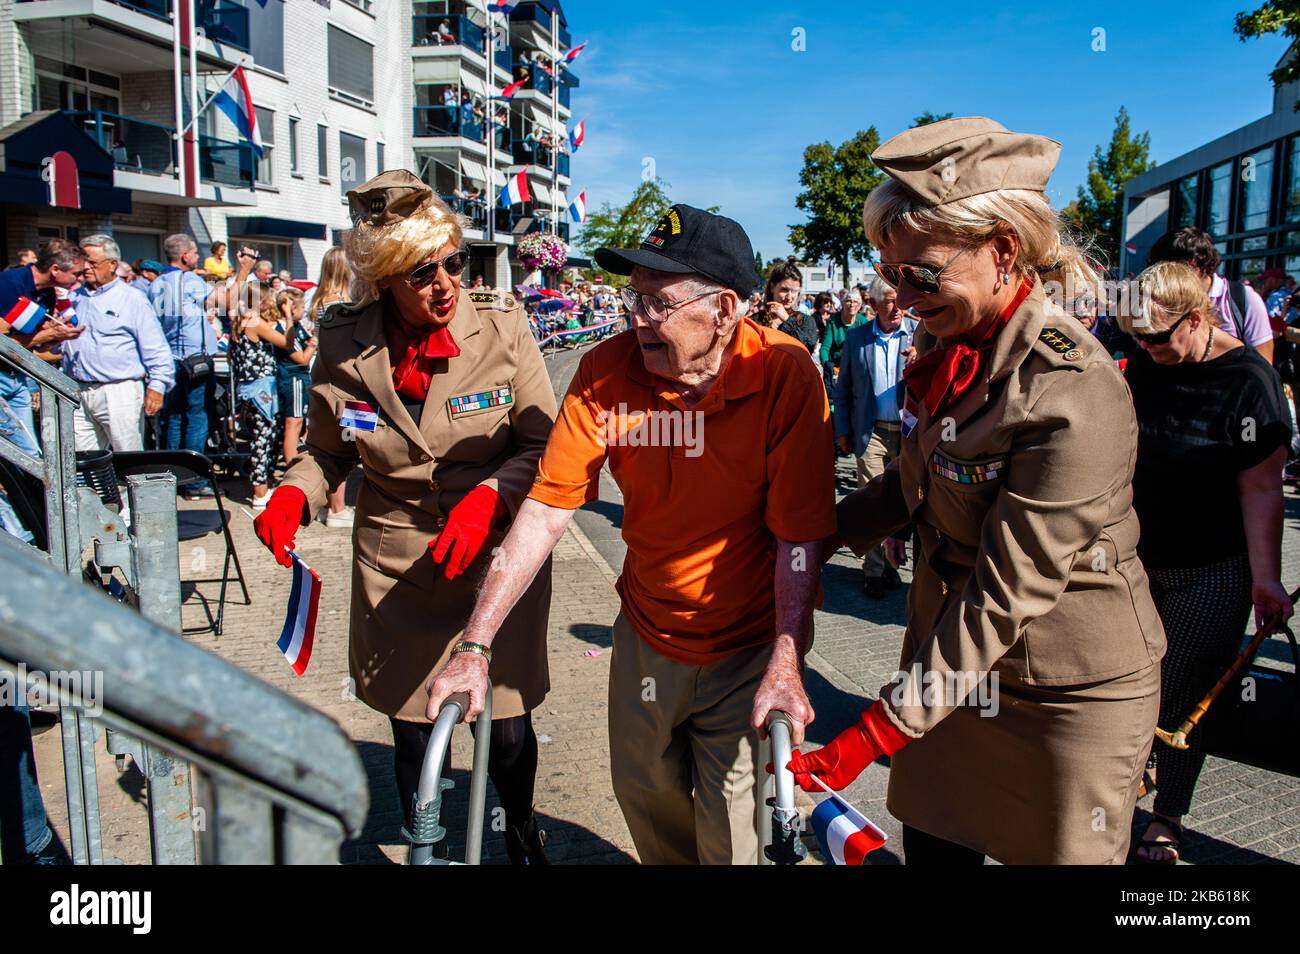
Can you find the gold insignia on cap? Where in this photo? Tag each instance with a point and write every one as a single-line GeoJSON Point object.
{"type": "Point", "coordinates": [1060, 343]}
{"type": "Point", "coordinates": [957, 158]}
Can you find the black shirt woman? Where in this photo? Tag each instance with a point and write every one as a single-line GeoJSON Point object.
{"type": "Point", "coordinates": [1213, 436]}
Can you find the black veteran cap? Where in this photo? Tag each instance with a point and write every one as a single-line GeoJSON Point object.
{"type": "Point", "coordinates": [688, 240]}
{"type": "Point", "coordinates": [388, 197]}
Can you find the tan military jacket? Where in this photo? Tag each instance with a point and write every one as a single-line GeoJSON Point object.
{"type": "Point", "coordinates": [1021, 495]}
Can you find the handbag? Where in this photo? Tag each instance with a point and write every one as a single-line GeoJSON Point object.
{"type": "Point", "coordinates": [198, 366]}
{"type": "Point", "coordinates": [1255, 719]}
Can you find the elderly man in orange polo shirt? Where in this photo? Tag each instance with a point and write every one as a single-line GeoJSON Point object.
{"type": "Point", "coordinates": [717, 432]}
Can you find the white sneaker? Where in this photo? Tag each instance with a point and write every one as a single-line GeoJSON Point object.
{"type": "Point", "coordinates": [259, 503]}
{"type": "Point", "coordinates": [342, 519]}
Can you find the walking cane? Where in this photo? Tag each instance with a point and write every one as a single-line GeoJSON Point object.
{"type": "Point", "coordinates": [1178, 738]}
{"type": "Point", "coordinates": [785, 847]}
{"type": "Point", "coordinates": [425, 831]}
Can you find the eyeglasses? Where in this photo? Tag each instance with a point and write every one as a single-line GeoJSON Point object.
{"type": "Point", "coordinates": [1161, 337]}
{"type": "Point", "coordinates": [453, 265]}
{"type": "Point", "coordinates": [656, 309]}
{"type": "Point", "coordinates": [921, 278]}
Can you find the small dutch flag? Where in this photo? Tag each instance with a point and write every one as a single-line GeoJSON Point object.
{"type": "Point", "coordinates": [846, 835]}
{"type": "Point", "coordinates": [25, 316]}
{"type": "Point", "coordinates": [300, 620]}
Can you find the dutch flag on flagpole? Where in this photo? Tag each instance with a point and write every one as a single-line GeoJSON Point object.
{"type": "Point", "coordinates": [573, 53]}
{"type": "Point", "coordinates": [579, 134]}
{"type": "Point", "coordinates": [236, 102]}
{"type": "Point", "coordinates": [501, 6]}
{"type": "Point", "coordinates": [300, 620]}
{"type": "Point", "coordinates": [25, 316]}
{"type": "Point", "coordinates": [513, 88]}
{"type": "Point", "coordinates": [516, 190]}
{"type": "Point", "coordinates": [846, 835]}
{"type": "Point", "coordinates": [578, 208]}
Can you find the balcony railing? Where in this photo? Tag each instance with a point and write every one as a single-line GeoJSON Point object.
{"type": "Point", "coordinates": [136, 145]}
{"type": "Point", "coordinates": [534, 13]}
{"type": "Point", "coordinates": [447, 121]}
{"type": "Point", "coordinates": [534, 76]}
{"type": "Point", "coordinates": [447, 30]}
{"type": "Point", "coordinates": [221, 21]}
{"type": "Point", "coordinates": [227, 163]}
{"type": "Point", "coordinates": [563, 164]}
{"type": "Point", "coordinates": [540, 224]}
{"type": "Point", "coordinates": [504, 57]}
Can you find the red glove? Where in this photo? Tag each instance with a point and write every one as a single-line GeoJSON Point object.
{"type": "Point", "coordinates": [276, 525]}
{"type": "Point", "coordinates": [852, 750]}
{"type": "Point", "coordinates": [467, 529]}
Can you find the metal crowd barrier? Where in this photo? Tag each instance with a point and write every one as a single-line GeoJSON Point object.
{"type": "Point", "coordinates": [237, 771]}
{"type": "Point", "coordinates": [592, 332]}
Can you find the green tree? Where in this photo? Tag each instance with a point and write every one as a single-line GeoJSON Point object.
{"type": "Point", "coordinates": [836, 181]}
{"type": "Point", "coordinates": [1098, 213]}
{"type": "Point", "coordinates": [1275, 16]}
{"type": "Point", "coordinates": [928, 117]}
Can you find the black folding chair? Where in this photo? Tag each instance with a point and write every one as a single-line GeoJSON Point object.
{"type": "Point", "coordinates": [191, 467]}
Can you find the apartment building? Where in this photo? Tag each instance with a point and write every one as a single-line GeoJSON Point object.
{"type": "Point", "coordinates": [342, 90]}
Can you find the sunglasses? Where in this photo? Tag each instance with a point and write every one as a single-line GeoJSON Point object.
{"type": "Point", "coordinates": [1161, 337]}
{"type": "Point", "coordinates": [921, 278]}
{"type": "Point", "coordinates": [453, 265]}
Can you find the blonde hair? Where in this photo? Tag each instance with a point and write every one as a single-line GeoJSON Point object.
{"type": "Point", "coordinates": [335, 278]}
{"type": "Point", "coordinates": [376, 252]}
{"type": "Point", "coordinates": [1046, 249]}
{"type": "Point", "coordinates": [1165, 292]}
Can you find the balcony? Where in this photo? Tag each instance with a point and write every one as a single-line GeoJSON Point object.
{"type": "Point", "coordinates": [136, 145]}
{"type": "Point", "coordinates": [534, 77]}
{"type": "Point", "coordinates": [446, 121]}
{"type": "Point", "coordinates": [532, 14]}
{"type": "Point", "coordinates": [446, 31]}
{"type": "Point", "coordinates": [222, 162]}
{"type": "Point", "coordinates": [540, 225]}
{"type": "Point", "coordinates": [222, 22]}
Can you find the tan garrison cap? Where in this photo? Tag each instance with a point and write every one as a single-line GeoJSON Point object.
{"type": "Point", "coordinates": [955, 158]}
{"type": "Point", "coordinates": [387, 198]}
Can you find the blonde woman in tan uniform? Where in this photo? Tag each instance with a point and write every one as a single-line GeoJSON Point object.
{"type": "Point", "coordinates": [1019, 441]}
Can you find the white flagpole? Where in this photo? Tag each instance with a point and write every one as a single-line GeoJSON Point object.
{"type": "Point", "coordinates": [208, 102]}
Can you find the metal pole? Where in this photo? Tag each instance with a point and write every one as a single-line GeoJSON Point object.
{"type": "Point", "coordinates": [178, 97]}
{"type": "Point", "coordinates": [785, 847]}
{"type": "Point", "coordinates": [555, 118]}
{"type": "Point", "coordinates": [490, 185]}
{"type": "Point", "coordinates": [478, 782]}
{"type": "Point", "coordinates": [425, 828]}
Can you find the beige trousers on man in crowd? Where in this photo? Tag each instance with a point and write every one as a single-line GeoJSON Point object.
{"type": "Point", "coordinates": [880, 450]}
{"type": "Point", "coordinates": [110, 416]}
{"type": "Point", "coordinates": [682, 754]}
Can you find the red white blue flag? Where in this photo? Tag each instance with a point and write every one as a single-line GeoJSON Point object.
{"type": "Point", "coordinates": [236, 102]}
{"type": "Point", "coordinates": [300, 620]}
{"type": "Point", "coordinates": [846, 835]}
{"type": "Point", "coordinates": [25, 316]}
{"type": "Point", "coordinates": [512, 89]}
{"type": "Point", "coordinates": [573, 53]}
{"type": "Point", "coordinates": [516, 190]}
{"type": "Point", "coordinates": [578, 134]}
{"type": "Point", "coordinates": [502, 6]}
{"type": "Point", "coordinates": [578, 208]}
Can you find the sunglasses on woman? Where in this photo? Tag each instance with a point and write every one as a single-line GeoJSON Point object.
{"type": "Point", "coordinates": [453, 265]}
{"type": "Point", "coordinates": [921, 278]}
{"type": "Point", "coordinates": [1161, 337]}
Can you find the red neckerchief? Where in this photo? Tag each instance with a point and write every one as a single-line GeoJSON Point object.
{"type": "Point", "coordinates": [939, 378]}
{"type": "Point", "coordinates": [413, 372]}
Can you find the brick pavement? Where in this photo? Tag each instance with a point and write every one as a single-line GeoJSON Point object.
{"type": "Point", "coordinates": [1240, 814]}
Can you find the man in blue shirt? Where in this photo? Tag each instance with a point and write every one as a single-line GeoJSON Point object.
{"type": "Point", "coordinates": [58, 265]}
{"type": "Point", "coordinates": [121, 349]}
{"type": "Point", "coordinates": [868, 396]}
{"type": "Point", "coordinates": [180, 300]}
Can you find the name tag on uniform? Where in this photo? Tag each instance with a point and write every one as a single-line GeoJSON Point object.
{"type": "Point", "coordinates": [358, 415]}
{"type": "Point", "coordinates": [481, 401]}
{"type": "Point", "coordinates": [907, 416]}
{"type": "Point", "coordinates": [982, 472]}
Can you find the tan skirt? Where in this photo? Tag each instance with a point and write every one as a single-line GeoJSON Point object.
{"type": "Point", "coordinates": [1051, 779]}
{"type": "Point", "coordinates": [401, 633]}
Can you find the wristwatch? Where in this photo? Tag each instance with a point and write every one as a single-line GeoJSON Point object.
{"type": "Point", "coordinates": [465, 646]}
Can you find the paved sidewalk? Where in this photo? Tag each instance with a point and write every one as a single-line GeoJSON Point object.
{"type": "Point", "coordinates": [1240, 815]}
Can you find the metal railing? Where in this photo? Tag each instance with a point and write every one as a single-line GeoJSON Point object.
{"type": "Point", "coordinates": [452, 120]}
{"type": "Point", "coordinates": [136, 145]}
{"type": "Point", "coordinates": [237, 771]}
{"type": "Point", "coordinates": [221, 21]}
{"type": "Point", "coordinates": [448, 30]}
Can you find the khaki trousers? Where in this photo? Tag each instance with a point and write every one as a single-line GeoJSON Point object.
{"type": "Point", "coordinates": [682, 753]}
{"type": "Point", "coordinates": [880, 450]}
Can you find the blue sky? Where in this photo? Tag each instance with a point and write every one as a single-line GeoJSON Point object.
{"type": "Point", "coordinates": [715, 96]}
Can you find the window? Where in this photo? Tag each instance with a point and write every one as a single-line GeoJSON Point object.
{"type": "Point", "coordinates": [1291, 187]}
{"type": "Point", "coordinates": [323, 153]}
{"type": "Point", "coordinates": [266, 165]}
{"type": "Point", "coordinates": [1188, 192]}
{"type": "Point", "coordinates": [1256, 190]}
{"type": "Point", "coordinates": [352, 162]}
{"type": "Point", "coordinates": [1220, 197]}
{"type": "Point", "coordinates": [351, 67]}
{"type": "Point", "coordinates": [293, 146]}
{"type": "Point", "coordinates": [379, 158]}
{"type": "Point", "coordinates": [266, 34]}
{"type": "Point", "coordinates": [359, 4]}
